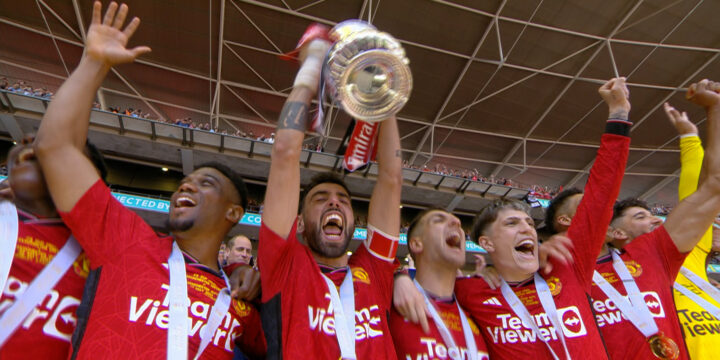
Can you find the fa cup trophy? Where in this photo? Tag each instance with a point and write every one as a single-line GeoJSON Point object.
{"type": "Point", "coordinates": [367, 72]}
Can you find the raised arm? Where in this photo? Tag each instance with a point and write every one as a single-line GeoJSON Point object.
{"type": "Point", "coordinates": [590, 222]}
{"type": "Point", "coordinates": [283, 189]}
{"type": "Point", "coordinates": [691, 161]}
{"type": "Point", "coordinates": [694, 215]}
{"type": "Point", "coordinates": [384, 212]}
{"type": "Point", "coordinates": [691, 151]}
{"type": "Point", "coordinates": [60, 141]}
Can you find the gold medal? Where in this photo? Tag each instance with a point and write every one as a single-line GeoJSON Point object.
{"type": "Point", "coordinates": [663, 347]}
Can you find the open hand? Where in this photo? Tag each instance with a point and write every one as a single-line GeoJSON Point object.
{"type": "Point", "coordinates": [680, 121]}
{"type": "Point", "coordinates": [705, 93]}
{"type": "Point", "coordinates": [106, 42]}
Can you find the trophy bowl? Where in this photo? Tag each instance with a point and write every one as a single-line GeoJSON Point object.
{"type": "Point", "coordinates": [367, 71]}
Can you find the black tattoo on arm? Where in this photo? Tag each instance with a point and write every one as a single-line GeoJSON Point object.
{"type": "Point", "coordinates": [293, 116]}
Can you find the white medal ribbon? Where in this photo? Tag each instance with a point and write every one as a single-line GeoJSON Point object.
{"type": "Point", "coordinates": [445, 332]}
{"type": "Point", "coordinates": [705, 286]}
{"type": "Point", "coordinates": [548, 305]}
{"type": "Point", "coordinates": [39, 288]}
{"type": "Point", "coordinates": [8, 239]}
{"type": "Point", "coordinates": [179, 323]}
{"type": "Point", "coordinates": [633, 306]}
{"type": "Point", "coordinates": [343, 305]}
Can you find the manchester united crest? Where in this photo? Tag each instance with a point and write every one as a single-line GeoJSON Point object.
{"type": "Point", "coordinates": [82, 265]}
{"type": "Point", "coordinates": [359, 274]}
{"type": "Point", "coordinates": [241, 308]}
{"type": "Point", "coordinates": [634, 268]}
{"type": "Point", "coordinates": [554, 285]}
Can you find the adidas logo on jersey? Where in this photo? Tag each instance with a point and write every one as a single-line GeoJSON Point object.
{"type": "Point", "coordinates": [492, 301]}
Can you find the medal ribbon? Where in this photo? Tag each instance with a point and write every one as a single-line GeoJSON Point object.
{"type": "Point", "coordinates": [39, 288]}
{"type": "Point", "coordinates": [633, 306]}
{"type": "Point", "coordinates": [705, 286]}
{"type": "Point", "coordinates": [179, 323]}
{"type": "Point", "coordinates": [445, 332]}
{"type": "Point", "coordinates": [8, 239]}
{"type": "Point", "coordinates": [343, 305]}
{"type": "Point", "coordinates": [548, 305]}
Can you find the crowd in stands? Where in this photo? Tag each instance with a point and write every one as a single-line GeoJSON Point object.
{"type": "Point", "coordinates": [21, 87]}
{"type": "Point", "coordinates": [660, 209]}
{"type": "Point", "coordinates": [314, 146]}
{"type": "Point", "coordinates": [538, 191]}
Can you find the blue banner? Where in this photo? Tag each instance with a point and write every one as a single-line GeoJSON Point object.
{"type": "Point", "coordinates": [141, 202]}
{"type": "Point", "coordinates": [544, 202]}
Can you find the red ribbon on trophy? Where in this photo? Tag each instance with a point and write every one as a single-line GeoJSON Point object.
{"type": "Point", "coordinates": [360, 147]}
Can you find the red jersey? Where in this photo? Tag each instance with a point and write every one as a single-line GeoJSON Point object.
{"type": "Point", "coordinates": [504, 333]}
{"type": "Point", "coordinates": [297, 315]}
{"type": "Point", "coordinates": [46, 332]}
{"type": "Point", "coordinates": [508, 338]}
{"type": "Point", "coordinates": [128, 302]}
{"type": "Point", "coordinates": [653, 261]}
{"type": "Point", "coordinates": [412, 343]}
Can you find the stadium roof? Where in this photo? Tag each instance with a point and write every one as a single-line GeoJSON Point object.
{"type": "Point", "coordinates": [505, 87]}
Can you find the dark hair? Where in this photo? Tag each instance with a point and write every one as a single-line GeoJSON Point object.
{"type": "Point", "coordinates": [233, 176]}
{"type": "Point", "coordinates": [322, 178]}
{"type": "Point", "coordinates": [556, 204]}
{"type": "Point", "coordinates": [97, 159]}
{"type": "Point", "coordinates": [416, 220]}
{"type": "Point", "coordinates": [489, 214]}
{"type": "Point", "coordinates": [624, 204]}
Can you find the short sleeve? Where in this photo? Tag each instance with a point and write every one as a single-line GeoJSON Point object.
{"type": "Point", "coordinates": [103, 226]}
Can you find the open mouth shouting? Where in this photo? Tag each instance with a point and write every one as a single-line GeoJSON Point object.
{"type": "Point", "coordinates": [183, 202]}
{"type": "Point", "coordinates": [526, 250]}
{"type": "Point", "coordinates": [333, 224]}
{"type": "Point", "coordinates": [454, 241]}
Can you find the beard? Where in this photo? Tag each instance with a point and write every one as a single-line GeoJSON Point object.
{"type": "Point", "coordinates": [314, 241]}
{"type": "Point", "coordinates": [176, 225]}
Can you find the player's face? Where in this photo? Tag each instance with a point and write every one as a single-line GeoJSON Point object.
{"type": "Point", "coordinates": [203, 198]}
{"type": "Point", "coordinates": [443, 239]}
{"type": "Point", "coordinates": [637, 221]}
{"type": "Point", "coordinates": [515, 243]}
{"type": "Point", "coordinates": [25, 177]}
{"type": "Point", "coordinates": [240, 252]}
{"type": "Point", "coordinates": [328, 220]}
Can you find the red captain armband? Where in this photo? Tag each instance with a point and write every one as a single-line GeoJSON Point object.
{"type": "Point", "coordinates": [380, 244]}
